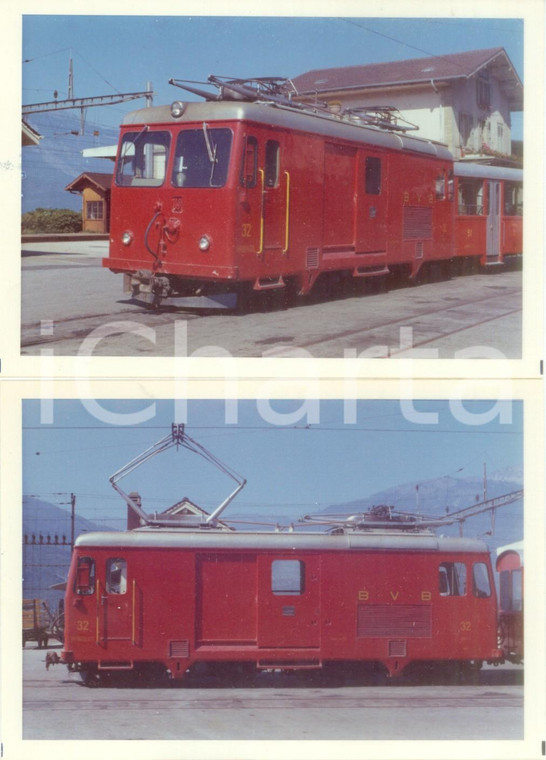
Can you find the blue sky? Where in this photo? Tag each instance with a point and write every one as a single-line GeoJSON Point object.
{"type": "Point", "coordinates": [113, 54]}
{"type": "Point", "coordinates": [121, 53]}
{"type": "Point", "coordinates": [300, 462]}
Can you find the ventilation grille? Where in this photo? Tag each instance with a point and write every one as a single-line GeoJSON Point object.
{"type": "Point", "coordinates": [179, 649]}
{"type": "Point", "coordinates": [312, 258]}
{"type": "Point", "coordinates": [404, 620]}
{"type": "Point", "coordinates": [417, 223]}
{"type": "Point", "coordinates": [397, 648]}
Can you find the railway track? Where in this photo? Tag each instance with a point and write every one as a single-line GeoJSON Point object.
{"type": "Point", "coordinates": [436, 312]}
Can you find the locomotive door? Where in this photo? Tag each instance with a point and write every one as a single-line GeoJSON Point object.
{"type": "Point", "coordinates": [493, 222]}
{"type": "Point", "coordinates": [117, 599]}
{"type": "Point", "coordinates": [264, 202]}
{"type": "Point", "coordinates": [289, 602]}
{"type": "Point", "coordinates": [371, 235]}
{"type": "Point", "coordinates": [275, 198]}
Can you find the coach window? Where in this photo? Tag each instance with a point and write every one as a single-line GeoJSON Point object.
{"type": "Point", "coordinates": [84, 584]}
{"type": "Point", "coordinates": [116, 576]}
{"type": "Point", "coordinates": [470, 197]}
{"type": "Point", "coordinates": [287, 577]}
{"type": "Point", "coordinates": [249, 167]}
{"type": "Point", "coordinates": [480, 580]}
{"type": "Point", "coordinates": [373, 175]}
{"type": "Point", "coordinates": [513, 199]}
{"type": "Point", "coordinates": [452, 579]}
{"type": "Point", "coordinates": [272, 149]}
{"type": "Point", "coordinates": [143, 158]}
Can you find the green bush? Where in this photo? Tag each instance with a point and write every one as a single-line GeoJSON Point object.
{"type": "Point", "coordinates": [51, 220]}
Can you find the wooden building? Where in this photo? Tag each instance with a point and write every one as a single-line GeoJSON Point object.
{"type": "Point", "coordinates": [94, 188]}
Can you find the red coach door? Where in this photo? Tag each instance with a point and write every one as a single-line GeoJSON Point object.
{"type": "Point", "coordinates": [493, 223]}
{"type": "Point", "coordinates": [289, 602]}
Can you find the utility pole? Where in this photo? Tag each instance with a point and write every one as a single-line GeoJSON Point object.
{"type": "Point", "coordinates": [72, 518]}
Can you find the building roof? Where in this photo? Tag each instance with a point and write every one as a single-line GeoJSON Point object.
{"type": "Point", "coordinates": [100, 180]}
{"type": "Point", "coordinates": [29, 136]}
{"type": "Point", "coordinates": [419, 70]}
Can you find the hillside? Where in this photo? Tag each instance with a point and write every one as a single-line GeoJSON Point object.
{"type": "Point", "coordinates": [44, 561]}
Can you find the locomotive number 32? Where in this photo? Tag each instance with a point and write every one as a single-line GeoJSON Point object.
{"type": "Point", "coordinates": [82, 625]}
{"type": "Point", "coordinates": [465, 625]}
{"type": "Point", "coordinates": [247, 229]}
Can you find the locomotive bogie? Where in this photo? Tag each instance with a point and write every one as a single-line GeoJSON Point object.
{"type": "Point", "coordinates": [272, 601]}
{"type": "Point", "coordinates": [251, 194]}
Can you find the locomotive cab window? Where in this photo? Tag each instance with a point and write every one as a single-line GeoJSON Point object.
{"type": "Point", "coordinates": [143, 159]}
{"type": "Point", "coordinates": [481, 586]}
{"type": "Point", "coordinates": [272, 149]}
{"type": "Point", "coordinates": [84, 584]}
{"type": "Point", "coordinates": [373, 175]}
{"type": "Point", "coordinates": [287, 577]}
{"type": "Point", "coordinates": [116, 576]}
{"type": "Point", "coordinates": [452, 579]}
{"type": "Point", "coordinates": [201, 157]}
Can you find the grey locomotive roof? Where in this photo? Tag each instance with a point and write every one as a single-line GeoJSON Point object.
{"type": "Point", "coordinates": [463, 169]}
{"type": "Point", "coordinates": [285, 542]}
{"type": "Point", "coordinates": [287, 118]}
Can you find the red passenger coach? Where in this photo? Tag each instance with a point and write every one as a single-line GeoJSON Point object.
{"type": "Point", "coordinates": [235, 197]}
{"type": "Point", "coordinates": [184, 589]}
{"type": "Point", "coordinates": [489, 216]}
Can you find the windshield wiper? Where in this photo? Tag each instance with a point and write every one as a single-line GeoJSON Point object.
{"type": "Point", "coordinates": [212, 150]}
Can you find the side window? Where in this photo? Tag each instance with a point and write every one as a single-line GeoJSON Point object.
{"type": "Point", "coordinates": [513, 199]}
{"type": "Point", "coordinates": [249, 168]}
{"type": "Point", "coordinates": [373, 175]}
{"type": "Point", "coordinates": [441, 187]}
{"type": "Point", "coordinates": [116, 576]}
{"type": "Point", "coordinates": [452, 579]}
{"type": "Point", "coordinates": [287, 577]}
{"type": "Point", "coordinates": [84, 585]}
{"type": "Point", "coordinates": [517, 590]}
{"type": "Point", "coordinates": [480, 580]}
{"type": "Point", "coordinates": [272, 149]}
{"type": "Point", "coordinates": [470, 196]}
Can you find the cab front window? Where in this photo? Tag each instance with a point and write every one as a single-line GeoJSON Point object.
{"type": "Point", "coordinates": [142, 159]}
{"type": "Point", "coordinates": [201, 157]}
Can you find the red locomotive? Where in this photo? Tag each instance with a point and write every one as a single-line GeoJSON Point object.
{"type": "Point", "coordinates": [510, 568]}
{"type": "Point", "coordinates": [251, 191]}
{"type": "Point", "coordinates": [184, 588]}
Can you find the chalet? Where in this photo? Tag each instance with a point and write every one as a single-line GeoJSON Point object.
{"type": "Point", "coordinates": [94, 188]}
{"type": "Point", "coordinates": [464, 100]}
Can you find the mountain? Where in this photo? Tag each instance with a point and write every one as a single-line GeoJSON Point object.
{"type": "Point", "coordinates": [50, 166]}
{"type": "Point", "coordinates": [441, 497]}
{"type": "Point", "coordinates": [46, 547]}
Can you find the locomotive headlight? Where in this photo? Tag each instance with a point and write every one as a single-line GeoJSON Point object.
{"type": "Point", "coordinates": [204, 243]}
{"type": "Point", "coordinates": [177, 109]}
{"type": "Point", "coordinates": [127, 238]}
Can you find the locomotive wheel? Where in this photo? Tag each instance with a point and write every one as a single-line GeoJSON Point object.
{"type": "Point", "coordinates": [90, 677]}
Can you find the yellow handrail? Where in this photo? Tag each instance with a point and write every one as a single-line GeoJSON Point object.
{"type": "Point", "coordinates": [261, 248]}
{"type": "Point", "coordinates": [134, 615]}
{"type": "Point", "coordinates": [98, 613]}
{"type": "Point", "coordinates": [287, 214]}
